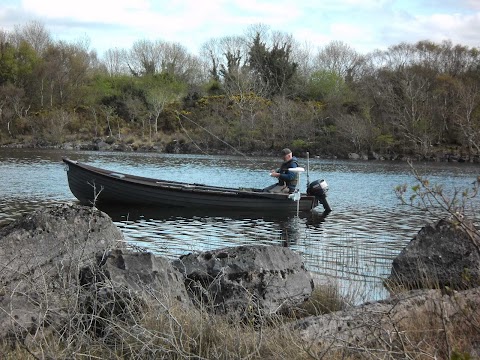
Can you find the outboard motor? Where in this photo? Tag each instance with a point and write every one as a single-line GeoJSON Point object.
{"type": "Point", "coordinates": [319, 189]}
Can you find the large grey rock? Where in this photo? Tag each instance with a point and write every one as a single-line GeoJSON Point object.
{"type": "Point", "coordinates": [247, 279]}
{"type": "Point", "coordinates": [40, 257]}
{"type": "Point", "coordinates": [53, 239]}
{"type": "Point", "coordinates": [388, 324]}
{"type": "Point", "coordinates": [125, 284]}
{"type": "Point", "coordinates": [445, 254]}
{"type": "Point", "coordinates": [64, 270]}
{"type": "Point", "coordinates": [144, 272]}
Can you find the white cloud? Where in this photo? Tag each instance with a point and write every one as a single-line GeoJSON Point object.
{"type": "Point", "coordinates": [459, 28]}
{"type": "Point", "coordinates": [363, 24]}
{"type": "Point", "coordinates": [473, 4]}
{"type": "Point", "coordinates": [107, 11]}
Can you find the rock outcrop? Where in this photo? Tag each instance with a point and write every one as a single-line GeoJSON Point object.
{"type": "Point", "coordinates": [390, 324]}
{"type": "Point", "coordinates": [40, 257]}
{"type": "Point", "coordinates": [145, 272]}
{"type": "Point", "coordinates": [445, 254]}
{"type": "Point", "coordinates": [66, 264]}
{"type": "Point", "coordinates": [121, 286]}
{"type": "Point", "coordinates": [247, 279]}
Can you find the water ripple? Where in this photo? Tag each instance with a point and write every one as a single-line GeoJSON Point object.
{"type": "Point", "coordinates": [354, 246]}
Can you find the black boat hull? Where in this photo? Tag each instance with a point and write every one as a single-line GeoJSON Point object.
{"type": "Point", "coordinates": [94, 185]}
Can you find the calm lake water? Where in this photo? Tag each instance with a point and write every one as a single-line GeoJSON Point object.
{"type": "Point", "coordinates": [354, 245]}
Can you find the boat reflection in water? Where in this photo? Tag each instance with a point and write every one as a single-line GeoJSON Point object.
{"type": "Point", "coordinates": [161, 225]}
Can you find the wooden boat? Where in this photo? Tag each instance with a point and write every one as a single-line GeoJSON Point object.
{"type": "Point", "coordinates": [90, 185]}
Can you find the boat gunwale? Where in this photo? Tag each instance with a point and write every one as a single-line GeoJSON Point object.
{"type": "Point", "coordinates": [181, 186]}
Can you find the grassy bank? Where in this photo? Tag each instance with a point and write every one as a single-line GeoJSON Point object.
{"type": "Point", "coordinates": [165, 330]}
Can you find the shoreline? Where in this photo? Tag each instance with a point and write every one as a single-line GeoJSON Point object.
{"type": "Point", "coordinates": [177, 148]}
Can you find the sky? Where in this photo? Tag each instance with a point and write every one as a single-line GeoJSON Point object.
{"type": "Point", "coordinates": [364, 25]}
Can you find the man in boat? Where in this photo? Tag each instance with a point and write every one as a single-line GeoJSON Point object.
{"type": "Point", "coordinates": [287, 180]}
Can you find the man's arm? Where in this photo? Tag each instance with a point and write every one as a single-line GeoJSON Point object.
{"type": "Point", "coordinates": [289, 176]}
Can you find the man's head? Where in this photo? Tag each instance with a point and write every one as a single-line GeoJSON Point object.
{"type": "Point", "coordinates": [286, 154]}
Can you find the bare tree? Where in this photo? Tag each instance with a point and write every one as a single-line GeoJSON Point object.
{"type": "Point", "coordinates": [108, 112]}
{"type": "Point", "coordinates": [263, 30]}
{"type": "Point", "coordinates": [243, 87]}
{"type": "Point", "coordinates": [55, 125]}
{"type": "Point", "coordinates": [211, 53]}
{"type": "Point", "coordinates": [466, 116]}
{"type": "Point", "coordinates": [176, 61]}
{"type": "Point", "coordinates": [64, 70]}
{"type": "Point", "coordinates": [12, 106]}
{"type": "Point", "coordinates": [5, 37]}
{"type": "Point", "coordinates": [136, 110]}
{"type": "Point", "coordinates": [148, 58]}
{"type": "Point", "coordinates": [224, 56]}
{"type": "Point", "coordinates": [284, 114]}
{"type": "Point", "coordinates": [158, 98]}
{"type": "Point", "coordinates": [398, 56]}
{"type": "Point", "coordinates": [35, 34]}
{"type": "Point", "coordinates": [440, 58]}
{"type": "Point", "coordinates": [355, 129]}
{"type": "Point", "coordinates": [407, 104]}
{"type": "Point", "coordinates": [115, 60]}
{"type": "Point", "coordinates": [94, 111]}
{"type": "Point", "coordinates": [302, 55]}
{"type": "Point", "coordinates": [144, 58]}
{"type": "Point", "coordinates": [339, 58]}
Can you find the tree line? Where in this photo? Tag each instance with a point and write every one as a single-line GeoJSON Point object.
{"type": "Point", "coordinates": [256, 92]}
